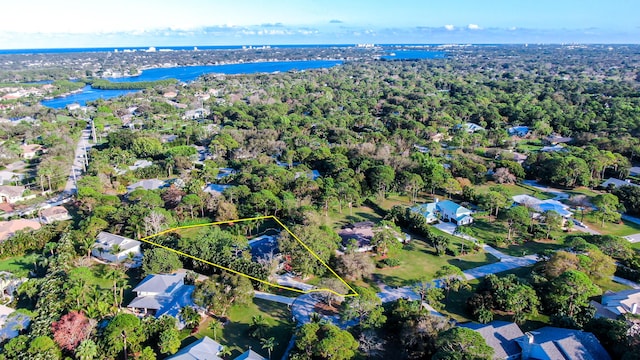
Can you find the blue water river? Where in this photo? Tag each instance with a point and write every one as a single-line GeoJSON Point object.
{"type": "Point", "coordinates": [190, 73]}
{"type": "Point", "coordinates": [186, 74]}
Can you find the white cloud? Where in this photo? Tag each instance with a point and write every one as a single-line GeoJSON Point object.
{"type": "Point", "coordinates": [473, 27]}
{"type": "Point", "coordinates": [449, 27]}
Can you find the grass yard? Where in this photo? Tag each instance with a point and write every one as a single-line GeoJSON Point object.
{"type": "Point", "coordinates": [419, 260]}
{"type": "Point", "coordinates": [357, 214]}
{"type": "Point", "coordinates": [514, 189]}
{"type": "Point", "coordinates": [235, 333]}
{"type": "Point", "coordinates": [594, 221]}
{"type": "Point", "coordinates": [19, 265]}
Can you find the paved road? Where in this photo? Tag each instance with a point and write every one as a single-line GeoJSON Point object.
{"type": "Point", "coordinates": [78, 161]}
{"type": "Point", "coordinates": [629, 283]}
{"type": "Point", "coordinates": [272, 297]}
{"type": "Point", "coordinates": [288, 280]}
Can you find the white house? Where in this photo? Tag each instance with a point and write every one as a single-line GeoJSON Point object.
{"type": "Point", "coordinates": [445, 210]}
{"type": "Point", "coordinates": [30, 151]}
{"type": "Point", "coordinates": [115, 248]}
{"type": "Point", "coordinates": [250, 355]}
{"type": "Point", "coordinates": [614, 304]}
{"type": "Point", "coordinates": [53, 214]}
{"type": "Point", "coordinates": [148, 184]}
{"type": "Point", "coordinates": [9, 283]}
{"type": "Point", "coordinates": [617, 183]}
{"type": "Point", "coordinates": [11, 194]}
{"type": "Point", "coordinates": [203, 349]}
{"type": "Point", "coordinates": [162, 295]}
{"type": "Point", "coordinates": [541, 206]}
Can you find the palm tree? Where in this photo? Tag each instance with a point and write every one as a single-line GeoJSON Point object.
{"type": "Point", "coordinates": [269, 344]}
{"type": "Point", "coordinates": [116, 276]}
{"type": "Point", "coordinates": [115, 250]}
{"type": "Point", "coordinates": [226, 351]}
{"type": "Point", "coordinates": [86, 244]}
{"type": "Point", "coordinates": [215, 326]}
{"type": "Point", "coordinates": [190, 317]}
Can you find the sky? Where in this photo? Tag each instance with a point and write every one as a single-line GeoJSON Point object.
{"type": "Point", "coordinates": [122, 23]}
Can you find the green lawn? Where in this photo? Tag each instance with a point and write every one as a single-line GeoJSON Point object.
{"type": "Point", "coordinates": [357, 214]}
{"type": "Point", "coordinates": [419, 260]}
{"type": "Point", "coordinates": [514, 189]}
{"type": "Point", "coordinates": [594, 221]}
{"type": "Point", "coordinates": [18, 265]}
{"type": "Point", "coordinates": [235, 333]}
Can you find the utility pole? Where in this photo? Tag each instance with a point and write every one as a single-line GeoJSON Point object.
{"type": "Point", "coordinates": [93, 132]}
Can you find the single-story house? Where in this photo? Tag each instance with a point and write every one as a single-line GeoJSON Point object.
{"type": "Point", "coordinates": [634, 171]}
{"type": "Point", "coordinates": [557, 343]}
{"type": "Point", "coordinates": [445, 210]}
{"type": "Point", "coordinates": [543, 205]}
{"type": "Point", "coordinates": [501, 336]}
{"type": "Point", "coordinates": [311, 174]}
{"type": "Point", "coordinates": [203, 349]}
{"type": "Point", "coordinates": [557, 139]}
{"type": "Point", "coordinates": [11, 194]}
{"type": "Point", "coordinates": [11, 322]}
{"type": "Point", "coordinates": [115, 248]}
{"type": "Point", "coordinates": [162, 295]}
{"type": "Point", "coordinates": [554, 148]}
{"type": "Point", "coordinates": [263, 246]}
{"type": "Point", "coordinates": [73, 106]}
{"type": "Point", "coordinates": [196, 114]}
{"type": "Point", "coordinates": [53, 214]}
{"type": "Point", "coordinates": [224, 172]}
{"type": "Point", "coordinates": [614, 304]}
{"type": "Point", "coordinates": [148, 184]}
{"type": "Point", "coordinates": [8, 228]}
{"type": "Point", "coordinates": [617, 183]}
{"type": "Point", "coordinates": [7, 177]}
{"type": "Point", "coordinates": [469, 127]}
{"type": "Point", "coordinates": [215, 189]}
{"type": "Point", "coordinates": [548, 343]}
{"type": "Point", "coordinates": [140, 164]}
{"type": "Point", "coordinates": [250, 355]}
{"type": "Point", "coordinates": [520, 131]}
{"type": "Point", "coordinates": [30, 151]}
{"type": "Point", "coordinates": [9, 283]}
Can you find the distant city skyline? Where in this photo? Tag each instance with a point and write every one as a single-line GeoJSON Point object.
{"type": "Point", "coordinates": [120, 23]}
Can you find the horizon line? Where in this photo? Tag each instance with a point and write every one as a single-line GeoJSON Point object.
{"type": "Point", "coordinates": [261, 45]}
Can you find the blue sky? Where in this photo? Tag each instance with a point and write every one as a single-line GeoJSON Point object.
{"type": "Point", "coordinates": [121, 23]}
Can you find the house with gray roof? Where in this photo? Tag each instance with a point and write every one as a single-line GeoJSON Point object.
{"type": "Point", "coordinates": [501, 336]}
{"type": "Point", "coordinates": [203, 349]}
{"type": "Point", "coordinates": [614, 304]}
{"type": "Point", "coordinates": [147, 184]}
{"type": "Point", "coordinates": [53, 214]}
{"type": "Point", "coordinates": [250, 355]}
{"type": "Point", "coordinates": [551, 343]}
{"type": "Point", "coordinates": [11, 194]}
{"type": "Point", "coordinates": [542, 206]}
{"type": "Point", "coordinates": [547, 343]}
{"type": "Point", "coordinates": [115, 248]}
{"type": "Point", "coordinates": [613, 182]}
{"type": "Point", "coordinates": [162, 294]}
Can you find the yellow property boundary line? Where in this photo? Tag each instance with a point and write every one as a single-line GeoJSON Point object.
{"type": "Point", "coordinates": [146, 239]}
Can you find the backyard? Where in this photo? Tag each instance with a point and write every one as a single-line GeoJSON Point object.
{"type": "Point", "coordinates": [235, 333]}
{"type": "Point", "coordinates": [418, 260]}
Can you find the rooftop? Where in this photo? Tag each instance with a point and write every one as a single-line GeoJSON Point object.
{"type": "Point", "coordinates": [8, 228]}
{"type": "Point", "coordinates": [203, 349]}
{"type": "Point", "coordinates": [500, 335]}
{"type": "Point", "coordinates": [12, 191]}
{"type": "Point", "coordinates": [160, 283]}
